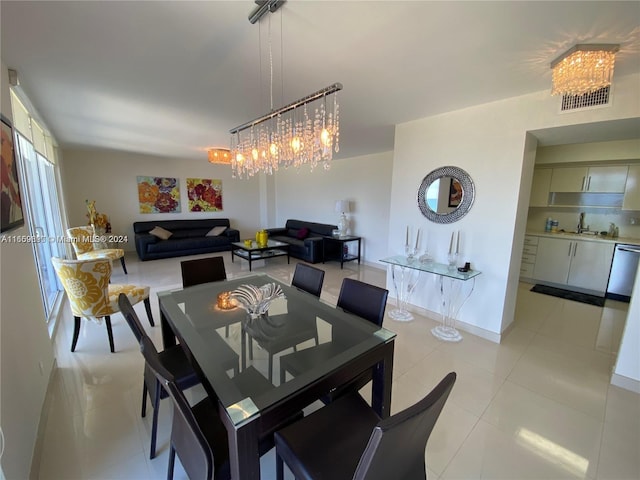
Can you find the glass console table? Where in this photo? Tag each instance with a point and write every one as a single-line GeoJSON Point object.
{"type": "Point", "coordinates": [454, 291]}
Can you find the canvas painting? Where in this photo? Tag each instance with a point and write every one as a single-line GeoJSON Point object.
{"type": "Point", "coordinates": [159, 195]}
{"type": "Point", "coordinates": [11, 213]}
{"type": "Point", "coordinates": [205, 195]}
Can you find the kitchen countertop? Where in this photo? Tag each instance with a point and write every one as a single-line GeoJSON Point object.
{"type": "Point", "coordinates": [586, 237]}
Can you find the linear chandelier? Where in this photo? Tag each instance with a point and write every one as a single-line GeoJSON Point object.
{"type": "Point", "coordinates": [304, 132]}
{"type": "Point", "coordinates": [584, 68]}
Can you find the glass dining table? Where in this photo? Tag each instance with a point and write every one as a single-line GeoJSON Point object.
{"type": "Point", "coordinates": [253, 402]}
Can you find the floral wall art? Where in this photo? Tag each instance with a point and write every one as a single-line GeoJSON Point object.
{"type": "Point", "coordinates": [205, 195]}
{"type": "Point", "coordinates": [159, 195]}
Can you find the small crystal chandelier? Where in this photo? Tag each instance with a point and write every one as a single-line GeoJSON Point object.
{"type": "Point", "coordinates": [304, 132]}
{"type": "Point", "coordinates": [583, 69]}
{"type": "Point", "coordinates": [219, 155]}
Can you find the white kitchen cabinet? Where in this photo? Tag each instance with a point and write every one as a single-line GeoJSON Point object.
{"type": "Point", "coordinates": [631, 200]}
{"type": "Point", "coordinates": [610, 179]}
{"type": "Point", "coordinates": [576, 263]}
{"type": "Point", "coordinates": [540, 187]}
{"type": "Point", "coordinates": [529, 251]}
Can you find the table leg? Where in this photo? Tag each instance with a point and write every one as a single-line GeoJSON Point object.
{"type": "Point", "coordinates": [168, 337]}
{"type": "Point", "coordinates": [358, 251]}
{"type": "Point", "coordinates": [382, 380]}
{"type": "Point", "coordinates": [244, 456]}
{"type": "Point", "coordinates": [404, 283]}
{"type": "Point", "coordinates": [452, 297]}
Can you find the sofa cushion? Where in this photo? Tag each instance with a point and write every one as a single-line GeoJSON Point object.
{"type": "Point", "coordinates": [302, 233]}
{"type": "Point", "coordinates": [161, 233]}
{"type": "Point", "coordinates": [215, 231]}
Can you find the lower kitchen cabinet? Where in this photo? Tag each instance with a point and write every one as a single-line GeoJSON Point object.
{"type": "Point", "coordinates": [576, 263]}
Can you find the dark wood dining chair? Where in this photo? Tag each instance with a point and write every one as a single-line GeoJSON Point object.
{"type": "Point", "coordinates": [363, 299]}
{"type": "Point", "coordinates": [172, 359]}
{"type": "Point", "coordinates": [202, 270]}
{"type": "Point", "coordinates": [198, 436]}
{"type": "Point", "coordinates": [308, 278]}
{"type": "Point", "coordinates": [359, 298]}
{"type": "Point", "coordinates": [347, 440]}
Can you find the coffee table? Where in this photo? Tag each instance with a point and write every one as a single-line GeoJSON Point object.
{"type": "Point", "coordinates": [255, 251]}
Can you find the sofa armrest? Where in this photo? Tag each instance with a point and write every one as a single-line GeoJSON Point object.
{"type": "Point", "coordinates": [142, 241]}
{"type": "Point", "coordinates": [233, 234]}
{"type": "Point", "coordinates": [276, 231]}
{"type": "Point", "coordinates": [314, 246]}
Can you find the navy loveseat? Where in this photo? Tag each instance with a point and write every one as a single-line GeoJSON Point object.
{"type": "Point", "coordinates": [303, 244]}
{"type": "Point", "coordinates": [189, 237]}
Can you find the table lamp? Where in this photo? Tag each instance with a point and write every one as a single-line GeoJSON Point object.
{"type": "Point", "coordinates": [342, 207]}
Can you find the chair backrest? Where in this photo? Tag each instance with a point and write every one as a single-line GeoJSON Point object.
{"type": "Point", "coordinates": [187, 438]}
{"type": "Point", "coordinates": [362, 299]}
{"type": "Point", "coordinates": [308, 278]}
{"type": "Point", "coordinates": [202, 270]}
{"type": "Point", "coordinates": [132, 318]}
{"type": "Point", "coordinates": [397, 444]}
{"type": "Point", "coordinates": [87, 285]}
{"type": "Point", "coordinates": [81, 238]}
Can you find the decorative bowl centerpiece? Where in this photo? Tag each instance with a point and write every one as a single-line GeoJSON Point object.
{"type": "Point", "coordinates": [255, 301]}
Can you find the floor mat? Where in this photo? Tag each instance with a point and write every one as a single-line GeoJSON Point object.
{"type": "Point", "coordinates": [569, 295]}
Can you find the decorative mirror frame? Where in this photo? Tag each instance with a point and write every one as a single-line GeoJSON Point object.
{"type": "Point", "coordinates": [468, 194]}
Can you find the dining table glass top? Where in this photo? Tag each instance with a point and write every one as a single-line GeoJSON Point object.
{"type": "Point", "coordinates": [211, 334]}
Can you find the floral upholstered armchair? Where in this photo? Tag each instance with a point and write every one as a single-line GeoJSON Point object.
{"type": "Point", "coordinates": [92, 296]}
{"type": "Point", "coordinates": [88, 246]}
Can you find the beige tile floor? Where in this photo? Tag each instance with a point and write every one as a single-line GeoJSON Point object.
{"type": "Point", "coordinates": [537, 406]}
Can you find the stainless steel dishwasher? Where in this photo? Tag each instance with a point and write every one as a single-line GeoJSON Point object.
{"type": "Point", "coordinates": [623, 271]}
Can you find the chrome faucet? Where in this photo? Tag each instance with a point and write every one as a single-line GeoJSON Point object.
{"type": "Point", "coordinates": [581, 227]}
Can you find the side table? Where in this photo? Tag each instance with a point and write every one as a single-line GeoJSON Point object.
{"type": "Point", "coordinates": [340, 241]}
{"type": "Point", "coordinates": [454, 291]}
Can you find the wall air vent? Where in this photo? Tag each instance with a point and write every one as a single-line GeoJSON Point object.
{"type": "Point", "coordinates": [598, 98]}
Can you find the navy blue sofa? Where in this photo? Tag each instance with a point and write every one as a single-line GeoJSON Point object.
{"type": "Point", "coordinates": [188, 238]}
{"type": "Point", "coordinates": [308, 248]}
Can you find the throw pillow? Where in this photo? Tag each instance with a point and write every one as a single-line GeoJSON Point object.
{"type": "Point", "coordinates": [302, 233]}
{"type": "Point", "coordinates": [215, 231]}
{"type": "Point", "coordinates": [161, 232]}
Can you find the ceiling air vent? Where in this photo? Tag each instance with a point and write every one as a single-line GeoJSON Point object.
{"type": "Point", "coordinates": [588, 100]}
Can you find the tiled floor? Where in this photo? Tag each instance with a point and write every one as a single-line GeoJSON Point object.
{"type": "Point", "coordinates": [537, 406]}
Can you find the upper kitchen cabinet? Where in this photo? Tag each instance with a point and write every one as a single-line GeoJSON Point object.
{"type": "Point", "coordinates": [540, 187]}
{"type": "Point", "coordinates": [610, 179]}
{"type": "Point", "coordinates": [631, 200]}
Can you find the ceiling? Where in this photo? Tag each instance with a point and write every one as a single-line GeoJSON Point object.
{"type": "Point", "coordinates": [171, 78]}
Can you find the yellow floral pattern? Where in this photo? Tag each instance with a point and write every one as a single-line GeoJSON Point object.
{"type": "Point", "coordinates": [81, 240]}
{"type": "Point", "coordinates": [87, 285]}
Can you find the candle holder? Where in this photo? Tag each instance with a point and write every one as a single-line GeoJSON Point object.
{"type": "Point", "coordinates": [225, 301]}
{"type": "Point", "coordinates": [410, 252]}
{"type": "Point", "coordinates": [453, 259]}
{"type": "Point", "coordinates": [425, 258]}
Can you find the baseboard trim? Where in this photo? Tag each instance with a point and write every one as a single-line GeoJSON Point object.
{"type": "Point", "coordinates": [465, 327]}
{"type": "Point", "coordinates": [627, 383]}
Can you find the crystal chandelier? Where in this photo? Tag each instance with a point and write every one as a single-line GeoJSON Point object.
{"type": "Point", "coordinates": [583, 69]}
{"type": "Point", "coordinates": [304, 132]}
{"type": "Point", "coordinates": [219, 155]}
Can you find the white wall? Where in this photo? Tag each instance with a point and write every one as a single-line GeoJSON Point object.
{"type": "Point", "coordinates": [263, 201]}
{"type": "Point", "coordinates": [364, 181]}
{"type": "Point", "coordinates": [109, 178]}
{"type": "Point", "coordinates": [26, 352]}
{"type": "Point", "coordinates": [488, 141]}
